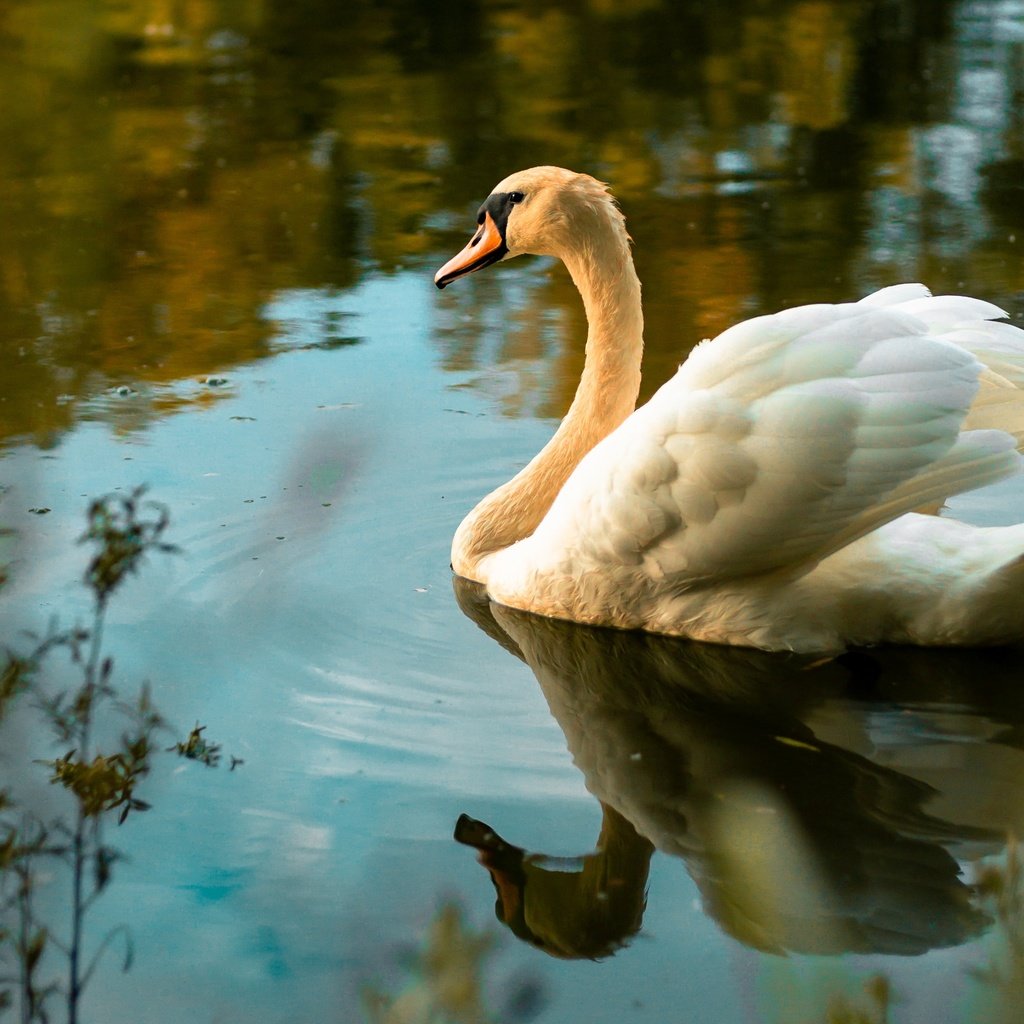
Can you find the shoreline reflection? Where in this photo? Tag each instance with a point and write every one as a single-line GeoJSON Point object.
{"type": "Point", "coordinates": [820, 808]}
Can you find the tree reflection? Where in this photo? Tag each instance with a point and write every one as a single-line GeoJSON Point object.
{"type": "Point", "coordinates": [169, 168]}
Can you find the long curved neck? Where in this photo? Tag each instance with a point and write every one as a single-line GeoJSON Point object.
{"type": "Point", "coordinates": [602, 270]}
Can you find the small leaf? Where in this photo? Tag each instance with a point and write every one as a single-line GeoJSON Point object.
{"type": "Point", "coordinates": [34, 950]}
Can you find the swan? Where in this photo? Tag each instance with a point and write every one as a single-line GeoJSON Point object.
{"type": "Point", "coordinates": [778, 491]}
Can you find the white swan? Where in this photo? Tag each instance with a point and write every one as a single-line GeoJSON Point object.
{"type": "Point", "coordinates": [765, 495]}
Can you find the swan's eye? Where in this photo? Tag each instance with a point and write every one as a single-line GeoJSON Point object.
{"type": "Point", "coordinates": [515, 198]}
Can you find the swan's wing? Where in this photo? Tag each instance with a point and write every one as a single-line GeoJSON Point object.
{"type": "Point", "coordinates": [782, 440]}
{"type": "Point", "coordinates": [969, 324]}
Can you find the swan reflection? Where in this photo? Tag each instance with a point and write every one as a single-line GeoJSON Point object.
{"type": "Point", "coordinates": [819, 807]}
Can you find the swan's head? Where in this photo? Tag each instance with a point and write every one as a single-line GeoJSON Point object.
{"type": "Point", "coordinates": [544, 210]}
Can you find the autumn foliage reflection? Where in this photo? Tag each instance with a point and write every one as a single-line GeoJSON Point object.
{"type": "Point", "coordinates": [169, 168]}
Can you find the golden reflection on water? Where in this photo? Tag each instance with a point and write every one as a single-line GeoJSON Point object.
{"type": "Point", "coordinates": [169, 167]}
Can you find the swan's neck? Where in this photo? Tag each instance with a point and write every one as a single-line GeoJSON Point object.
{"type": "Point", "coordinates": [602, 270]}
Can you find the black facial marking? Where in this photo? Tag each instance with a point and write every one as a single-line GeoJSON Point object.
{"type": "Point", "coordinates": [499, 206]}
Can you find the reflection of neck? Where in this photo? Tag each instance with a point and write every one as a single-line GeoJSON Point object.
{"type": "Point", "coordinates": [602, 269]}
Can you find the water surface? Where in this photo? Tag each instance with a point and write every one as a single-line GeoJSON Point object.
{"type": "Point", "coordinates": [221, 222]}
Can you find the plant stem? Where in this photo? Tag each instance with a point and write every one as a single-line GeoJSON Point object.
{"type": "Point", "coordinates": [78, 846]}
{"type": "Point", "coordinates": [24, 921]}
{"type": "Point", "coordinates": [91, 668]}
{"type": "Point", "coordinates": [77, 914]}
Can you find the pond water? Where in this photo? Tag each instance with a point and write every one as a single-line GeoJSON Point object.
{"type": "Point", "coordinates": [220, 225]}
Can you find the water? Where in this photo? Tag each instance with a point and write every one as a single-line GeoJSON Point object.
{"type": "Point", "coordinates": [221, 223]}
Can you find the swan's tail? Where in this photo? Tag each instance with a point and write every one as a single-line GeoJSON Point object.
{"type": "Point", "coordinates": [973, 325]}
{"type": "Point", "coordinates": [985, 605]}
{"type": "Point", "coordinates": [957, 585]}
{"type": "Point", "coordinates": [999, 608]}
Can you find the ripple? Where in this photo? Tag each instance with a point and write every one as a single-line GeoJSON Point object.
{"type": "Point", "coordinates": [441, 731]}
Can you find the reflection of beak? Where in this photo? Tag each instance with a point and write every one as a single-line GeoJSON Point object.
{"type": "Point", "coordinates": [504, 862]}
{"type": "Point", "coordinates": [487, 246]}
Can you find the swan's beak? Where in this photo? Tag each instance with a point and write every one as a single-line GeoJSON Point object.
{"type": "Point", "coordinates": [487, 246]}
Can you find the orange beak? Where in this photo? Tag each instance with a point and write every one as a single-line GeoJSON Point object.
{"type": "Point", "coordinates": [487, 246]}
